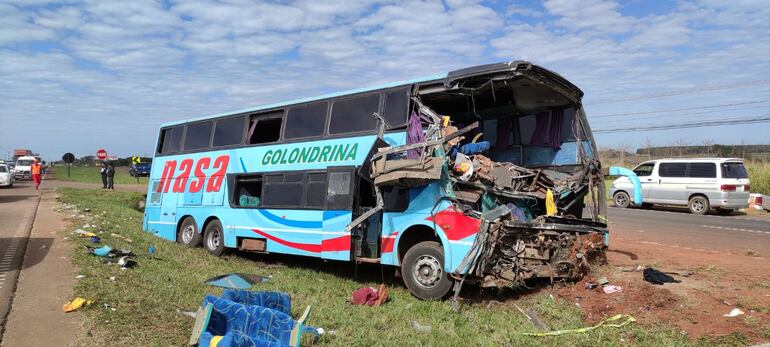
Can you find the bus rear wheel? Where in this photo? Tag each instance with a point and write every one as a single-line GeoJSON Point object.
{"type": "Point", "coordinates": [188, 234]}
{"type": "Point", "coordinates": [214, 238]}
{"type": "Point", "coordinates": [423, 271]}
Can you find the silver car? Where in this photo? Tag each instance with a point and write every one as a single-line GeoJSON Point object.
{"type": "Point", "coordinates": [700, 184]}
{"type": "Point", "coordinates": [6, 175]}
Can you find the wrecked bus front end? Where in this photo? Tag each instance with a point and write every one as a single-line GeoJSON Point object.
{"type": "Point", "coordinates": [509, 144]}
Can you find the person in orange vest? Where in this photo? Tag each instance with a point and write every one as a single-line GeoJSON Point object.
{"type": "Point", "coordinates": [36, 170]}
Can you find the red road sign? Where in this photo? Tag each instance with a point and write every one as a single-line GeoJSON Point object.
{"type": "Point", "coordinates": [101, 154]}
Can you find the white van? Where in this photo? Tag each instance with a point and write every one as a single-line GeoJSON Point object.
{"type": "Point", "coordinates": [23, 168]}
{"type": "Point", "coordinates": [700, 184]}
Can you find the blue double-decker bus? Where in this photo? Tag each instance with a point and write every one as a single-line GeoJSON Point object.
{"type": "Point", "coordinates": [292, 177]}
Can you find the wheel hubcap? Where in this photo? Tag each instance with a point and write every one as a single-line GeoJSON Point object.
{"type": "Point", "coordinates": [697, 205]}
{"type": "Point", "coordinates": [620, 200]}
{"type": "Point", "coordinates": [188, 233]}
{"type": "Point", "coordinates": [213, 240]}
{"type": "Point", "coordinates": [427, 271]}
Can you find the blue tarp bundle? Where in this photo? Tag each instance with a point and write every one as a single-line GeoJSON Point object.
{"type": "Point", "coordinates": [244, 318]}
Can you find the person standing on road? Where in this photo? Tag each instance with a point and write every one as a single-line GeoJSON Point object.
{"type": "Point", "coordinates": [36, 171]}
{"type": "Point", "coordinates": [111, 176]}
{"type": "Point", "coordinates": [103, 171]}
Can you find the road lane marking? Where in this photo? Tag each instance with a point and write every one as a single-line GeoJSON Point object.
{"type": "Point", "coordinates": [687, 213]}
{"type": "Point", "coordinates": [737, 229]}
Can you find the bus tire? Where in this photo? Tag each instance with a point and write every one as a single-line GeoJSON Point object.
{"type": "Point", "coordinates": [423, 272]}
{"type": "Point", "coordinates": [214, 238]}
{"type": "Point", "coordinates": [188, 234]}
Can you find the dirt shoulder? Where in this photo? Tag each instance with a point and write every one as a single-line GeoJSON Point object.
{"type": "Point", "coordinates": [46, 282]}
{"type": "Point", "coordinates": [696, 306]}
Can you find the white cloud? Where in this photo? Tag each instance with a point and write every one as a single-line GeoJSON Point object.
{"type": "Point", "coordinates": [131, 65]}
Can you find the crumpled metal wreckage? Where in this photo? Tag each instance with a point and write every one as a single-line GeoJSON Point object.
{"type": "Point", "coordinates": [532, 222]}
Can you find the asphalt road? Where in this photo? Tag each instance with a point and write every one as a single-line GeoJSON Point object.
{"type": "Point", "coordinates": [738, 232]}
{"type": "Point", "coordinates": [17, 210]}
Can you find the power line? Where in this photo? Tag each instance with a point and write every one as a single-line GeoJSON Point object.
{"type": "Point", "coordinates": [679, 109]}
{"type": "Point", "coordinates": [684, 116]}
{"type": "Point", "coordinates": [761, 119]}
{"type": "Point", "coordinates": [683, 92]}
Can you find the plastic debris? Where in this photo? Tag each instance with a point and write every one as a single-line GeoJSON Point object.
{"type": "Point", "coordinates": [95, 239]}
{"type": "Point", "coordinates": [83, 233]}
{"type": "Point", "coordinates": [236, 280]}
{"type": "Point", "coordinates": [151, 250]}
{"type": "Point", "coordinates": [101, 251]}
{"type": "Point", "coordinates": [75, 304]}
{"type": "Point", "coordinates": [735, 313]}
{"type": "Point", "coordinates": [80, 276]}
{"type": "Point", "coordinates": [626, 319]}
{"type": "Point", "coordinates": [421, 328]}
{"type": "Point", "coordinates": [609, 289]}
{"type": "Point", "coordinates": [126, 262]}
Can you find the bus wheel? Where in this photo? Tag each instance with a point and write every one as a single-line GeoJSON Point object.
{"type": "Point", "coordinates": [214, 238]}
{"type": "Point", "coordinates": [188, 234]}
{"type": "Point", "coordinates": [423, 271]}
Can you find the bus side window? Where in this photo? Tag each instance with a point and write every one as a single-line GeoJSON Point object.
{"type": "Point", "coordinates": [339, 194]}
{"type": "Point", "coordinates": [248, 190]}
{"type": "Point", "coordinates": [265, 128]}
{"type": "Point", "coordinates": [155, 195]}
{"type": "Point", "coordinates": [171, 140]}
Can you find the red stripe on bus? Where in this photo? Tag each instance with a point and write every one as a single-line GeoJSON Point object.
{"type": "Point", "coordinates": [341, 243]}
{"type": "Point", "coordinates": [455, 224]}
{"type": "Point", "coordinates": [388, 243]}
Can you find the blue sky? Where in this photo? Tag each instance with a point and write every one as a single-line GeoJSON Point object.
{"type": "Point", "coordinates": [81, 75]}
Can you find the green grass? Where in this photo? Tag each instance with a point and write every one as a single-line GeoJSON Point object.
{"type": "Point", "coordinates": [90, 174]}
{"type": "Point", "coordinates": [147, 299]}
{"type": "Point", "coordinates": [759, 176]}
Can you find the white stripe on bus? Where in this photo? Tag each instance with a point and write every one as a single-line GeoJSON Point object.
{"type": "Point", "coordinates": [159, 222]}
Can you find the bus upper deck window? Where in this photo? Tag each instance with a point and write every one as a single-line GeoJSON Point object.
{"type": "Point", "coordinates": [171, 140]}
{"type": "Point", "coordinates": [228, 131]}
{"type": "Point", "coordinates": [396, 105]}
{"type": "Point", "coordinates": [307, 120]}
{"type": "Point", "coordinates": [265, 128]}
{"type": "Point", "coordinates": [198, 136]}
{"type": "Point", "coordinates": [354, 115]}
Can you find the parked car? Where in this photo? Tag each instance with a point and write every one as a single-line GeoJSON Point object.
{"type": "Point", "coordinates": [699, 184]}
{"type": "Point", "coordinates": [141, 169]}
{"type": "Point", "coordinates": [6, 175]}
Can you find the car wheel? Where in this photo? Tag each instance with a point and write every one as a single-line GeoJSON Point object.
{"type": "Point", "coordinates": [188, 234]}
{"type": "Point", "coordinates": [725, 211]}
{"type": "Point", "coordinates": [698, 205]}
{"type": "Point", "coordinates": [214, 238]}
{"type": "Point", "coordinates": [621, 199]}
{"type": "Point", "coordinates": [423, 271]}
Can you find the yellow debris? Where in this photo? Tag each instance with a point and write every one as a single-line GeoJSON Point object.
{"type": "Point", "coordinates": [550, 206]}
{"type": "Point", "coordinates": [75, 304]}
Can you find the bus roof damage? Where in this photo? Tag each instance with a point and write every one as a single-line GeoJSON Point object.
{"type": "Point", "coordinates": [510, 146]}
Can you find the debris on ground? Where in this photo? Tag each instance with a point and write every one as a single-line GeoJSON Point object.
{"type": "Point", "coordinates": [80, 276]}
{"type": "Point", "coordinates": [623, 318]}
{"type": "Point", "coordinates": [735, 313]}
{"type": "Point", "coordinates": [187, 313]}
{"type": "Point", "coordinates": [533, 317]}
{"type": "Point", "coordinates": [609, 289]}
{"type": "Point", "coordinates": [420, 328]}
{"type": "Point", "coordinates": [236, 280]}
{"type": "Point", "coordinates": [369, 296]}
{"type": "Point", "coordinates": [249, 318]}
{"type": "Point", "coordinates": [122, 237]}
{"type": "Point", "coordinates": [657, 277]}
{"type": "Point", "coordinates": [76, 304]}
{"type": "Point", "coordinates": [83, 233]}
